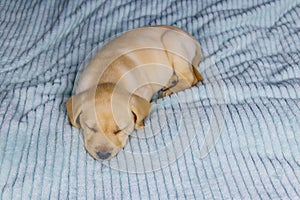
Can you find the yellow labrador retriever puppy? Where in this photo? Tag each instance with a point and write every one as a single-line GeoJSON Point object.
{"type": "Point", "coordinates": [113, 92]}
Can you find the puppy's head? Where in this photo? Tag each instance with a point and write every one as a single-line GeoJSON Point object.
{"type": "Point", "coordinates": [108, 115]}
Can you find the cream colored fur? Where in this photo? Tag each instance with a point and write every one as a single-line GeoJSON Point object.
{"type": "Point", "coordinates": [113, 93]}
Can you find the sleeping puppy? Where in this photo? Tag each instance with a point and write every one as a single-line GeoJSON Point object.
{"type": "Point", "coordinates": [114, 91]}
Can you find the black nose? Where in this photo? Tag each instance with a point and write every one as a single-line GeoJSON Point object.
{"type": "Point", "coordinates": [103, 155]}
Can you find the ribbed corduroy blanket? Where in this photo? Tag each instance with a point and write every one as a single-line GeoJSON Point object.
{"type": "Point", "coordinates": [236, 136]}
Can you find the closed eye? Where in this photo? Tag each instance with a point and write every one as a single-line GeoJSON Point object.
{"type": "Point", "coordinates": [117, 132]}
{"type": "Point", "coordinates": [92, 129]}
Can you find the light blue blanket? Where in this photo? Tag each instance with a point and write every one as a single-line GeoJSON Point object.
{"type": "Point", "coordinates": [236, 136]}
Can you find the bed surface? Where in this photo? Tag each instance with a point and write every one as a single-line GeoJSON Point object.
{"type": "Point", "coordinates": [236, 136]}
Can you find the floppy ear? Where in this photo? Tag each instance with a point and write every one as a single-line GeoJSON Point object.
{"type": "Point", "coordinates": [74, 108]}
{"type": "Point", "coordinates": [140, 107]}
{"type": "Point", "coordinates": [197, 74]}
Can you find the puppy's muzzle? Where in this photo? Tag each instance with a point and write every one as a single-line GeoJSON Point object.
{"type": "Point", "coordinates": [102, 155]}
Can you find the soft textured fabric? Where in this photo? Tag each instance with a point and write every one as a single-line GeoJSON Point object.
{"type": "Point", "coordinates": [236, 136]}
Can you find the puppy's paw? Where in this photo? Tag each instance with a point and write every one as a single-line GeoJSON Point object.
{"type": "Point", "coordinates": [167, 93]}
